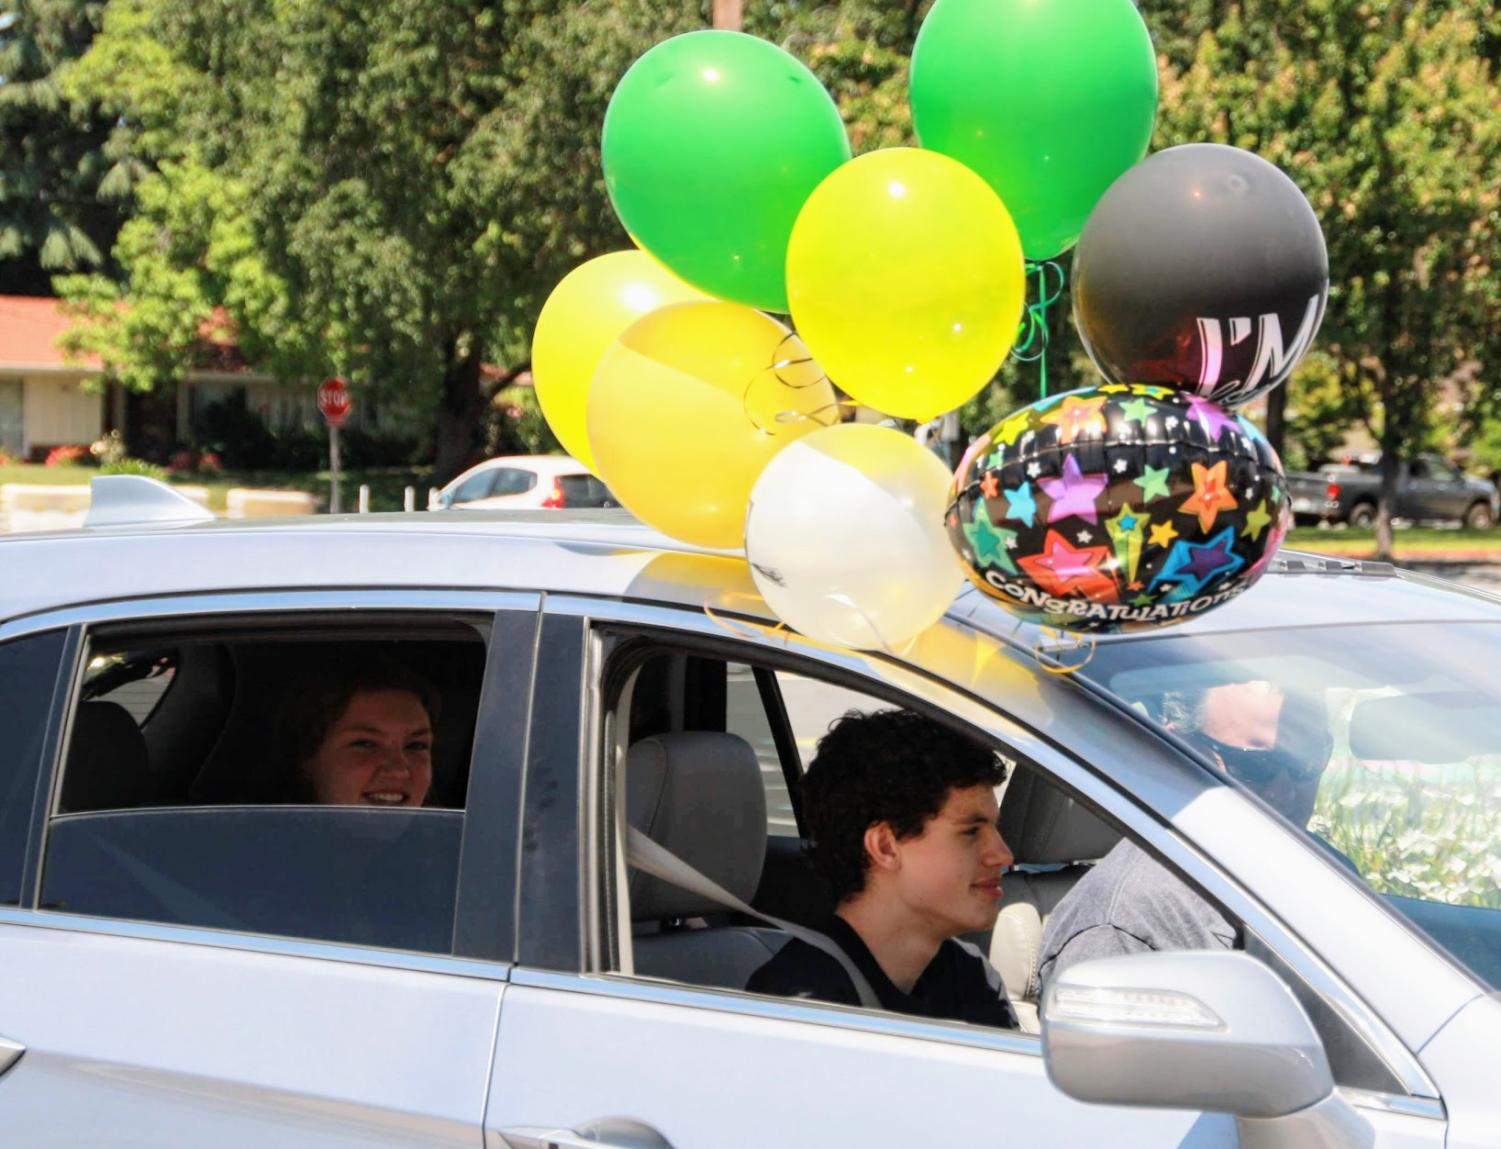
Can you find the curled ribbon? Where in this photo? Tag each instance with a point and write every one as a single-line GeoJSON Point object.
{"type": "Point", "coordinates": [1032, 335]}
{"type": "Point", "coordinates": [796, 372]}
{"type": "Point", "coordinates": [1050, 661]}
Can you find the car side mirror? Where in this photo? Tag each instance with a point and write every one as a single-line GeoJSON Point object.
{"type": "Point", "coordinates": [445, 500]}
{"type": "Point", "coordinates": [1215, 1031]}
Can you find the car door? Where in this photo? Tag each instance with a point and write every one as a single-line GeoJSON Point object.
{"type": "Point", "coordinates": [196, 971]}
{"type": "Point", "coordinates": [594, 1054]}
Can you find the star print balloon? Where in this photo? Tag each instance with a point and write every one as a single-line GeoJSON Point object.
{"type": "Point", "coordinates": [1118, 507]}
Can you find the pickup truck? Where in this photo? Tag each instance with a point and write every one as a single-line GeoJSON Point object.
{"type": "Point", "coordinates": [1428, 487]}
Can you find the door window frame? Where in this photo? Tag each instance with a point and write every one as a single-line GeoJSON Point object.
{"type": "Point", "coordinates": [484, 927]}
{"type": "Point", "coordinates": [574, 954]}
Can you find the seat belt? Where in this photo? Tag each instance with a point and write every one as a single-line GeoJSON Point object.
{"type": "Point", "coordinates": [652, 858]}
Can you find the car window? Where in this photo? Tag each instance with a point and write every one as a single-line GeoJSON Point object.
{"type": "Point", "coordinates": [745, 715]}
{"type": "Point", "coordinates": [1404, 770]}
{"type": "Point", "coordinates": [584, 491]}
{"type": "Point", "coordinates": [28, 674]}
{"type": "Point", "coordinates": [475, 487]}
{"type": "Point", "coordinates": [513, 481]}
{"type": "Point", "coordinates": [135, 680]}
{"type": "Point", "coordinates": [1419, 469]}
{"type": "Point", "coordinates": [1056, 842]}
{"type": "Point", "coordinates": [1442, 471]}
{"type": "Point", "coordinates": [295, 780]}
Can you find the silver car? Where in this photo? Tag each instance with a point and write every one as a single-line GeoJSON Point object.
{"type": "Point", "coordinates": [192, 954]}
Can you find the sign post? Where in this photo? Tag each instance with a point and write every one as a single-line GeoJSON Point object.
{"type": "Point", "coordinates": [335, 401]}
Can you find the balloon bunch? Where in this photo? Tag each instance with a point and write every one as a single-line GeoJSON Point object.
{"type": "Point", "coordinates": [904, 274]}
{"type": "Point", "coordinates": [1198, 283]}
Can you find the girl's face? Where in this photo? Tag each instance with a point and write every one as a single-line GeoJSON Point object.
{"type": "Point", "coordinates": [377, 753]}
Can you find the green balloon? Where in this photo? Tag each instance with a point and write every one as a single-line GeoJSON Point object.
{"type": "Point", "coordinates": [713, 140]}
{"type": "Point", "coordinates": [1048, 100]}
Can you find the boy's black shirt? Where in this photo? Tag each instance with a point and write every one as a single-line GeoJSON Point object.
{"type": "Point", "coordinates": [958, 984]}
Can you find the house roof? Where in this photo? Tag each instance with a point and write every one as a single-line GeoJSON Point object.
{"type": "Point", "coordinates": [29, 330]}
{"type": "Point", "coordinates": [30, 327]}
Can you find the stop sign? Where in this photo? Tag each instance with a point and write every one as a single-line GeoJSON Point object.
{"type": "Point", "coordinates": [334, 400]}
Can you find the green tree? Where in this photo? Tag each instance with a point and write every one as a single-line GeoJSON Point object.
{"type": "Point", "coordinates": [1386, 114]}
{"type": "Point", "coordinates": [382, 189]}
{"type": "Point", "coordinates": [64, 168]}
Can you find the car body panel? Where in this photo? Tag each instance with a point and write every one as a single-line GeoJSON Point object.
{"type": "Point", "coordinates": [726, 1080]}
{"type": "Point", "coordinates": [1463, 1056]}
{"type": "Point", "coordinates": [203, 1044]}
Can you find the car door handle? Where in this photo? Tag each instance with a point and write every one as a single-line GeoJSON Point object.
{"type": "Point", "coordinates": [606, 1133]}
{"type": "Point", "coordinates": [10, 1053]}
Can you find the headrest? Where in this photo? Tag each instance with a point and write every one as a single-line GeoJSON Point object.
{"type": "Point", "coordinates": [1042, 824]}
{"type": "Point", "coordinates": [699, 795]}
{"type": "Point", "coordinates": [107, 764]}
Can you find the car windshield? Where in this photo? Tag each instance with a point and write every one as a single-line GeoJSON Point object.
{"type": "Point", "coordinates": [1407, 717]}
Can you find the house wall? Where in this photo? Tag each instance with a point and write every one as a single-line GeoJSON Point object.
{"type": "Point", "coordinates": [57, 409]}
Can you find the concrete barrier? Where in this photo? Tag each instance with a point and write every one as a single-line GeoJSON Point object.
{"type": "Point", "coordinates": [35, 507]}
{"type": "Point", "coordinates": [245, 503]}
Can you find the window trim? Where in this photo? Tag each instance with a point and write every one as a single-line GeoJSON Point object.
{"type": "Point", "coordinates": [481, 942]}
{"type": "Point", "coordinates": [684, 627]}
{"type": "Point", "coordinates": [50, 754]}
{"type": "Point", "coordinates": [770, 690]}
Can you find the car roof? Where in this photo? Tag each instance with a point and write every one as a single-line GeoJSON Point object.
{"type": "Point", "coordinates": [601, 552]}
{"type": "Point", "coordinates": [541, 464]}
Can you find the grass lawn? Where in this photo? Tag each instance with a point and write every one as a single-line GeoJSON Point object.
{"type": "Point", "coordinates": [1408, 542]}
{"type": "Point", "coordinates": [386, 483]}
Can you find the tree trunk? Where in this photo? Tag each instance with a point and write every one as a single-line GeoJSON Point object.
{"type": "Point", "coordinates": [728, 14]}
{"type": "Point", "coordinates": [1391, 462]}
{"type": "Point", "coordinates": [1276, 417]}
{"type": "Point", "coordinates": [461, 411]}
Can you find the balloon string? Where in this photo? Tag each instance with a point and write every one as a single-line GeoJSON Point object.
{"type": "Point", "coordinates": [1084, 642]}
{"type": "Point", "coordinates": [782, 358]}
{"type": "Point", "coordinates": [1032, 335]}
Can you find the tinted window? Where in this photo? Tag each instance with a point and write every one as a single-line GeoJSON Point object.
{"type": "Point", "coordinates": [510, 481]}
{"type": "Point", "coordinates": [371, 877]}
{"type": "Point", "coordinates": [298, 777]}
{"type": "Point", "coordinates": [137, 682]}
{"type": "Point", "coordinates": [28, 673]}
{"type": "Point", "coordinates": [475, 487]}
{"type": "Point", "coordinates": [584, 491]}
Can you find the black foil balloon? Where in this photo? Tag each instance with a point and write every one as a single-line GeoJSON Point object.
{"type": "Point", "coordinates": [1118, 507]}
{"type": "Point", "coordinates": [1202, 268]}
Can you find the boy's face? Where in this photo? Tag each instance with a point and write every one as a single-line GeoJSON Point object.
{"type": "Point", "coordinates": [950, 875]}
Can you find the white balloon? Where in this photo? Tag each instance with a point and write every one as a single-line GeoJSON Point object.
{"type": "Point", "coordinates": [846, 539]}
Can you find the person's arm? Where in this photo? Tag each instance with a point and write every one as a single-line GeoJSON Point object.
{"type": "Point", "coordinates": [1100, 941]}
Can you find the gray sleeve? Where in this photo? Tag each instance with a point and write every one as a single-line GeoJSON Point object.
{"type": "Point", "coordinates": [1128, 904]}
{"type": "Point", "coordinates": [1096, 942]}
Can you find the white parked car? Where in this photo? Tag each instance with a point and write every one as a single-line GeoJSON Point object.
{"type": "Point", "coordinates": [515, 482]}
{"type": "Point", "coordinates": [192, 955]}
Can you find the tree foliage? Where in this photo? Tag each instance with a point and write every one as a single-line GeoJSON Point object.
{"type": "Point", "coordinates": [1386, 114]}
{"type": "Point", "coordinates": [381, 189]}
{"type": "Point", "coordinates": [61, 170]}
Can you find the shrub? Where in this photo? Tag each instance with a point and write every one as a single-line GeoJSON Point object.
{"type": "Point", "coordinates": [129, 466]}
{"type": "Point", "coordinates": [69, 455]}
{"type": "Point", "coordinates": [108, 448]}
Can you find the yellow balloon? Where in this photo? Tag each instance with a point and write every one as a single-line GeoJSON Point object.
{"type": "Point", "coordinates": [690, 405]}
{"type": "Point", "coordinates": [582, 317]}
{"type": "Point", "coordinates": [906, 280]}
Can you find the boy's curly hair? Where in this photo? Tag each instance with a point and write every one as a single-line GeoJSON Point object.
{"type": "Point", "coordinates": [890, 766]}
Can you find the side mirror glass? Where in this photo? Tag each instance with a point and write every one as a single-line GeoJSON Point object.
{"type": "Point", "coordinates": [1216, 1031]}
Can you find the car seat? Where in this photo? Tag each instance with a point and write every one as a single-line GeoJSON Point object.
{"type": "Point", "coordinates": [1055, 840]}
{"type": "Point", "coordinates": [107, 767]}
{"type": "Point", "coordinates": [699, 795]}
